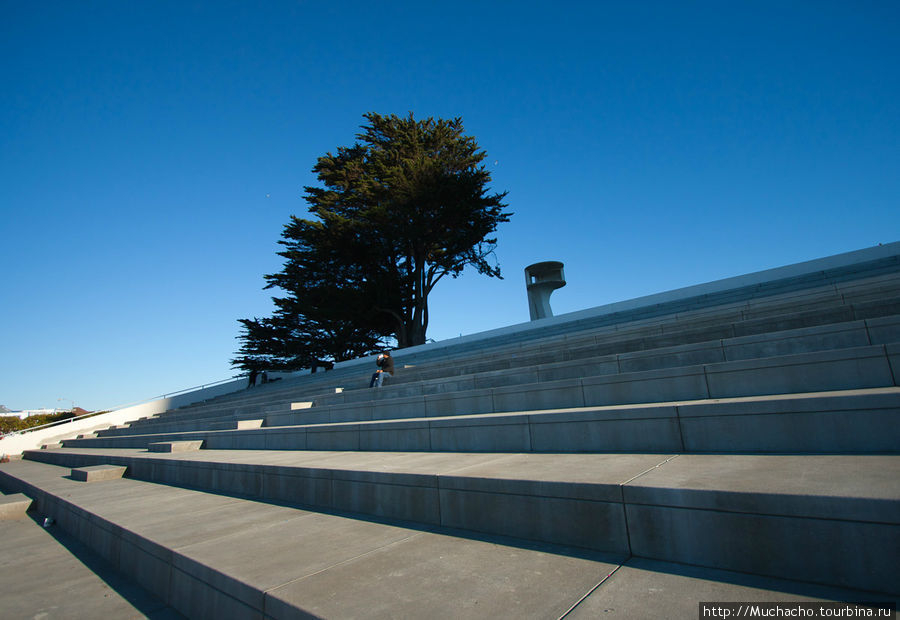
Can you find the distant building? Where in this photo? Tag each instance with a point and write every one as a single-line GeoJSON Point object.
{"type": "Point", "coordinates": [27, 413]}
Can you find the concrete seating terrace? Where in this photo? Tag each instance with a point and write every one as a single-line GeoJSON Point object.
{"type": "Point", "coordinates": [738, 444]}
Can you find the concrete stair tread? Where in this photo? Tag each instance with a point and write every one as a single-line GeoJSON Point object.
{"type": "Point", "coordinates": [14, 506]}
{"type": "Point", "coordinates": [853, 487]}
{"type": "Point", "coordinates": [612, 407]}
{"type": "Point", "coordinates": [289, 389]}
{"type": "Point", "coordinates": [48, 574]}
{"type": "Point", "coordinates": [206, 562]}
{"type": "Point", "coordinates": [294, 557]}
{"type": "Point", "coordinates": [838, 421]}
{"type": "Point", "coordinates": [213, 408]}
{"type": "Point", "coordinates": [651, 589]}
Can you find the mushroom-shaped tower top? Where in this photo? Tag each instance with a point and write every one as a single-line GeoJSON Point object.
{"type": "Point", "coordinates": [541, 279]}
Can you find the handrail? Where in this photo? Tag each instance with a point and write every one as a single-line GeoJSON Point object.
{"type": "Point", "coordinates": [117, 407]}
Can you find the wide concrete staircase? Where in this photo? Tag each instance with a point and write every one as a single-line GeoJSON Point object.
{"type": "Point", "coordinates": [745, 439]}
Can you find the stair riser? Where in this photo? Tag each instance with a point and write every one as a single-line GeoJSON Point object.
{"type": "Point", "coordinates": [837, 424]}
{"type": "Point", "coordinates": [192, 589]}
{"type": "Point", "coordinates": [858, 554]}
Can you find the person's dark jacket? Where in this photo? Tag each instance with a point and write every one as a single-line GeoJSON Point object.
{"type": "Point", "coordinates": [386, 363]}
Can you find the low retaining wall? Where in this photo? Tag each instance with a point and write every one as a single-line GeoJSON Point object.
{"type": "Point", "coordinates": [16, 444]}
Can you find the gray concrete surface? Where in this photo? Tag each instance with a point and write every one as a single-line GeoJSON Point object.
{"type": "Point", "coordinates": [644, 589]}
{"type": "Point", "coordinates": [45, 574]}
{"type": "Point", "coordinates": [96, 473]}
{"type": "Point", "coordinates": [861, 421]}
{"type": "Point", "coordinates": [427, 533]}
{"type": "Point", "coordinates": [13, 506]}
{"type": "Point", "coordinates": [765, 514]}
{"type": "Point", "coordinates": [216, 556]}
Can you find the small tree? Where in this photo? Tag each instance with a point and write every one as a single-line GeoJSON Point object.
{"type": "Point", "coordinates": [403, 207]}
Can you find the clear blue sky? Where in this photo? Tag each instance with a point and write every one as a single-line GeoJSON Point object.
{"type": "Point", "coordinates": [150, 153]}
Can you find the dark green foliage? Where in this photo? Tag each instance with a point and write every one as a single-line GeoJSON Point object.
{"type": "Point", "coordinates": [9, 424]}
{"type": "Point", "coordinates": [403, 207]}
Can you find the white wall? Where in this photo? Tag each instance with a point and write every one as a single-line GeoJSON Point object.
{"type": "Point", "coordinates": [31, 440]}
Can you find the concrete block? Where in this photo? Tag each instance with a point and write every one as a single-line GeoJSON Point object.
{"type": "Point", "coordinates": [508, 433]}
{"type": "Point", "coordinates": [649, 429]}
{"type": "Point", "coordinates": [301, 405]}
{"type": "Point", "coordinates": [842, 553]}
{"type": "Point", "coordinates": [96, 473]}
{"type": "Point", "coordinates": [246, 424]}
{"type": "Point", "coordinates": [14, 506]}
{"type": "Point", "coordinates": [401, 496]}
{"type": "Point", "coordinates": [175, 446]}
{"type": "Point", "coordinates": [236, 479]}
{"type": "Point", "coordinates": [304, 486]}
{"type": "Point", "coordinates": [806, 340]}
{"type": "Point", "coordinates": [859, 429]}
{"type": "Point", "coordinates": [670, 384]}
{"type": "Point", "coordinates": [287, 438]}
{"type": "Point", "coordinates": [549, 395]}
{"type": "Point", "coordinates": [149, 570]}
{"type": "Point", "coordinates": [333, 437]}
{"type": "Point", "coordinates": [884, 330]}
{"type": "Point", "coordinates": [844, 369]}
{"type": "Point", "coordinates": [350, 412]}
{"type": "Point", "coordinates": [880, 306]}
{"type": "Point", "coordinates": [316, 415]}
{"type": "Point", "coordinates": [196, 598]}
{"type": "Point", "coordinates": [409, 407]}
{"type": "Point", "coordinates": [793, 320]}
{"type": "Point", "coordinates": [452, 384]}
{"type": "Point", "coordinates": [412, 435]}
{"type": "Point", "coordinates": [588, 524]}
{"type": "Point", "coordinates": [460, 403]}
{"type": "Point", "coordinates": [391, 390]}
{"type": "Point", "coordinates": [519, 376]}
{"type": "Point", "coordinates": [606, 365]}
{"type": "Point", "coordinates": [672, 357]}
{"type": "Point", "coordinates": [893, 354]}
{"type": "Point", "coordinates": [851, 488]}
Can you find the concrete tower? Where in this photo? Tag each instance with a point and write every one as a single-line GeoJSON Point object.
{"type": "Point", "coordinates": [541, 279]}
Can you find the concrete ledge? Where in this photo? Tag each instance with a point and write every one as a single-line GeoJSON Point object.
{"type": "Point", "coordinates": [243, 424]}
{"type": "Point", "coordinates": [776, 509]}
{"type": "Point", "coordinates": [14, 506]}
{"type": "Point", "coordinates": [174, 446]}
{"type": "Point", "coordinates": [96, 473]}
{"type": "Point", "coordinates": [850, 421]}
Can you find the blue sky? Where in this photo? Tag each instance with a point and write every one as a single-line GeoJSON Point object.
{"type": "Point", "coordinates": [151, 152]}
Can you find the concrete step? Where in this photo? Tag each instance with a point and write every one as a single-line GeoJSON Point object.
{"type": "Point", "coordinates": [853, 421]}
{"type": "Point", "coordinates": [211, 556]}
{"type": "Point", "coordinates": [846, 335]}
{"type": "Point", "coordinates": [793, 310]}
{"type": "Point", "coordinates": [645, 308]}
{"type": "Point", "coordinates": [760, 514]}
{"type": "Point", "coordinates": [309, 381]}
{"type": "Point", "coordinates": [14, 506]}
{"type": "Point", "coordinates": [842, 369]}
{"type": "Point", "coordinates": [791, 342]}
{"type": "Point", "coordinates": [47, 573]}
{"type": "Point", "coordinates": [204, 558]}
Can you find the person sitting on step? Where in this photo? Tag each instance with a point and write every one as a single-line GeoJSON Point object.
{"type": "Point", "coordinates": [385, 363]}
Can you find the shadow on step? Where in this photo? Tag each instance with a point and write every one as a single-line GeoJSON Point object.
{"type": "Point", "coordinates": [143, 601]}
